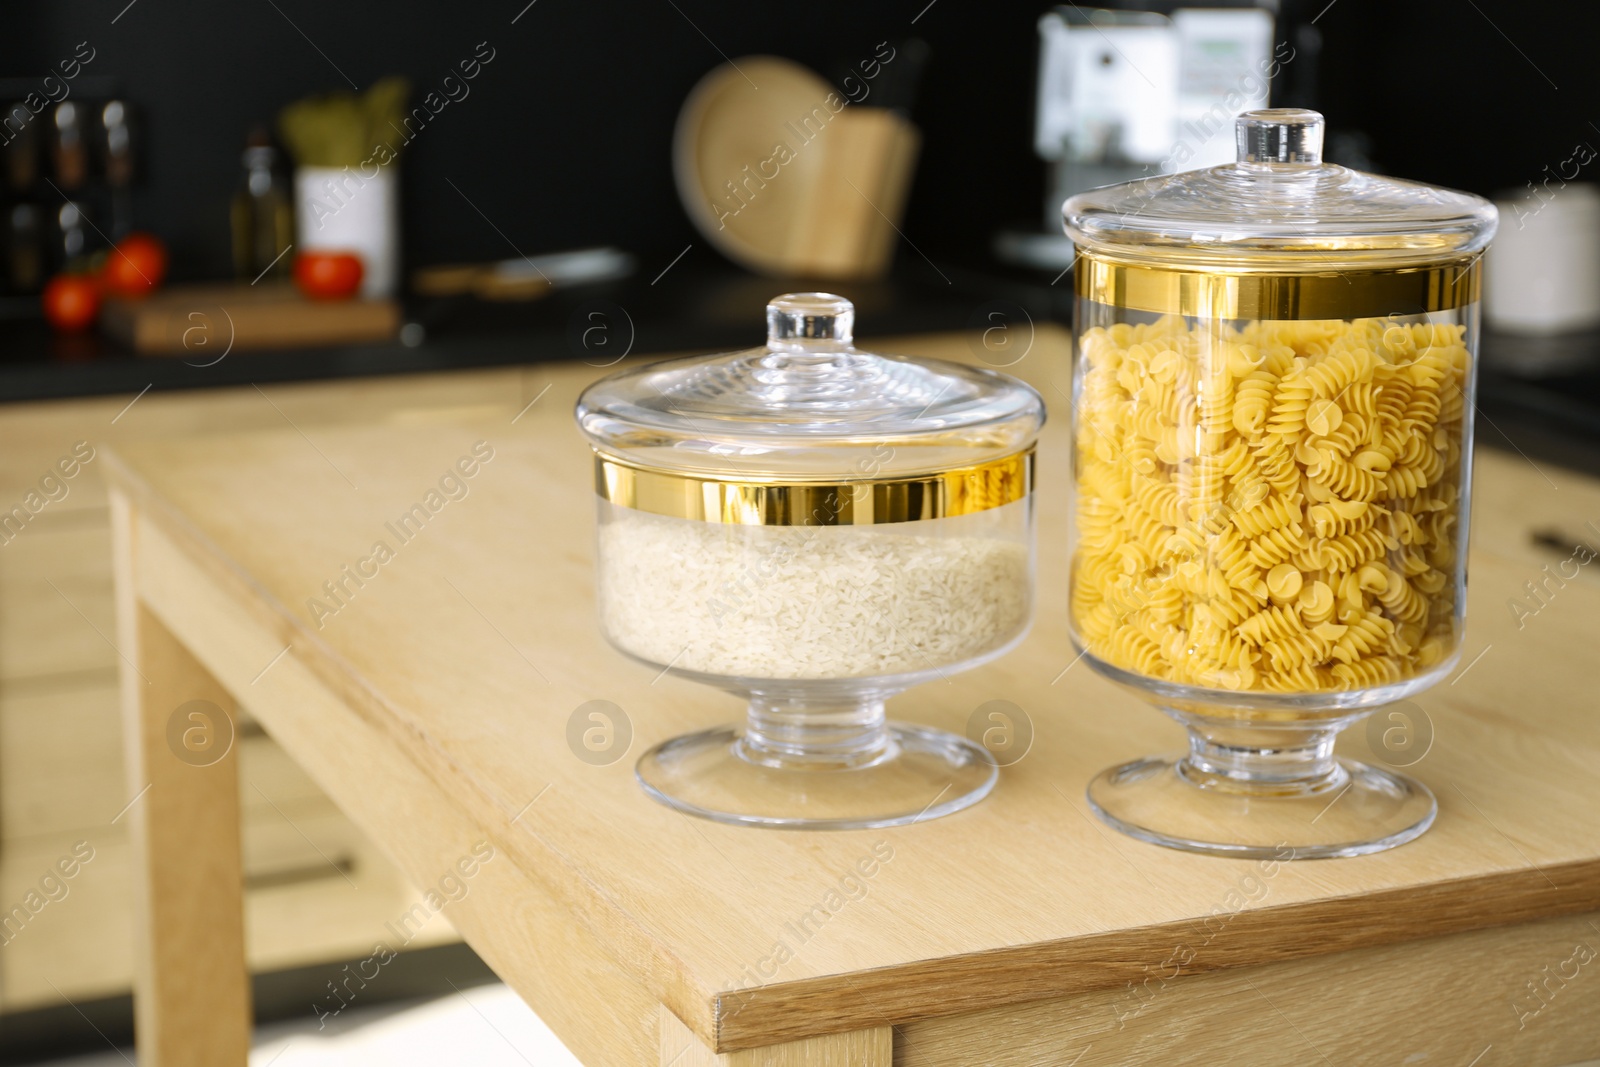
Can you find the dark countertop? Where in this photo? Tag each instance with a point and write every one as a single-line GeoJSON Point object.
{"type": "Point", "coordinates": [718, 309]}
{"type": "Point", "coordinates": [1538, 396]}
{"type": "Point", "coordinates": [1541, 396]}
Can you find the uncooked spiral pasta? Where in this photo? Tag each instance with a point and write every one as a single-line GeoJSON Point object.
{"type": "Point", "coordinates": [1273, 507]}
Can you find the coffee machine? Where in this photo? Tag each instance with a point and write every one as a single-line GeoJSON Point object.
{"type": "Point", "coordinates": [1136, 90]}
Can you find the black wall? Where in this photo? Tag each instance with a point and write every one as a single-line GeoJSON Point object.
{"type": "Point", "coordinates": [565, 138]}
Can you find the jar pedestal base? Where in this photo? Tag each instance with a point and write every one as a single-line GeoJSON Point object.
{"type": "Point", "coordinates": [921, 774]}
{"type": "Point", "coordinates": [1353, 810]}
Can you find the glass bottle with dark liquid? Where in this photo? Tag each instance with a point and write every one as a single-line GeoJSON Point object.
{"type": "Point", "coordinates": [263, 215]}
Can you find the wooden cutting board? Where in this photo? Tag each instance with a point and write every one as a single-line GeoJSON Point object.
{"type": "Point", "coordinates": [203, 322]}
{"type": "Point", "coordinates": [785, 177]}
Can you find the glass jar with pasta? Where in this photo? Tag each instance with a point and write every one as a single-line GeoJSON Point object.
{"type": "Point", "coordinates": [1273, 401]}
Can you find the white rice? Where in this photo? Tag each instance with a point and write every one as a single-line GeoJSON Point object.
{"type": "Point", "coordinates": [805, 602]}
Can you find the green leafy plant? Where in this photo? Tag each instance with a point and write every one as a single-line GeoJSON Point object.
{"type": "Point", "coordinates": [341, 129]}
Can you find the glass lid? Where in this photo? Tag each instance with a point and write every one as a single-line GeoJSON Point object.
{"type": "Point", "coordinates": [808, 406]}
{"type": "Point", "coordinates": [1279, 207]}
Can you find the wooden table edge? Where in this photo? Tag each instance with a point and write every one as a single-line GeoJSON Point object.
{"type": "Point", "coordinates": [735, 1020]}
{"type": "Point", "coordinates": [668, 979]}
{"type": "Point", "coordinates": [959, 985]}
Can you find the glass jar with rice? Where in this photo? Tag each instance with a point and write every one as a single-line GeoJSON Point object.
{"type": "Point", "coordinates": [814, 528]}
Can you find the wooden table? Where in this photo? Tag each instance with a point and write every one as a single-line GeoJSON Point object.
{"type": "Point", "coordinates": [433, 702]}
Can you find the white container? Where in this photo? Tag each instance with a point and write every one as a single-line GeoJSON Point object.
{"type": "Point", "coordinates": [1543, 274]}
{"type": "Point", "coordinates": [351, 209]}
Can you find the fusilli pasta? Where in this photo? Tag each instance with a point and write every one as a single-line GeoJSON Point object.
{"type": "Point", "coordinates": [1273, 507]}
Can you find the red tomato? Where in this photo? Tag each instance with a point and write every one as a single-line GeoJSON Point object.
{"type": "Point", "coordinates": [135, 267]}
{"type": "Point", "coordinates": [71, 302]}
{"type": "Point", "coordinates": [328, 275]}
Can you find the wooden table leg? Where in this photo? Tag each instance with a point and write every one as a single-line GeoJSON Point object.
{"type": "Point", "coordinates": [857, 1048]}
{"type": "Point", "coordinates": [191, 983]}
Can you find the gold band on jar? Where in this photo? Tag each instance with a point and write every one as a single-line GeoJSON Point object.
{"type": "Point", "coordinates": [962, 491]}
{"type": "Point", "coordinates": [1351, 294]}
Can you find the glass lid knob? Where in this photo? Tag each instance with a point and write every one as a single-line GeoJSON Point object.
{"type": "Point", "coordinates": [1279, 135]}
{"type": "Point", "coordinates": [800, 320]}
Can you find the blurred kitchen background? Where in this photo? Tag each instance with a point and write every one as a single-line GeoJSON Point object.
{"type": "Point", "coordinates": [564, 140]}
{"type": "Point", "coordinates": [529, 181]}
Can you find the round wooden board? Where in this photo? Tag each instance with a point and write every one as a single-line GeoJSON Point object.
{"type": "Point", "coordinates": [736, 117]}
